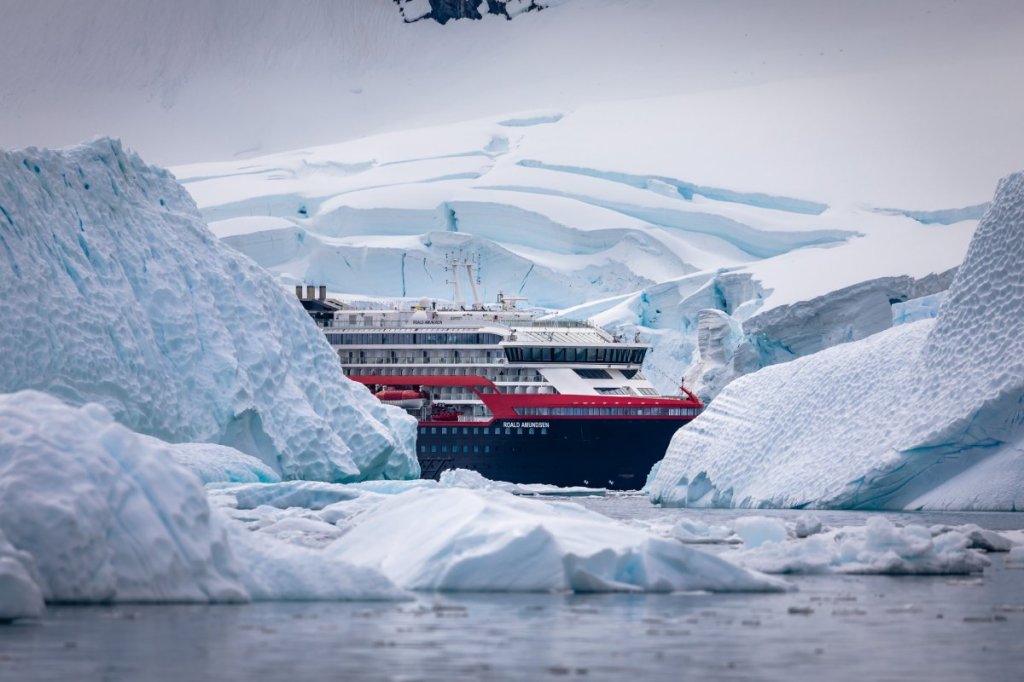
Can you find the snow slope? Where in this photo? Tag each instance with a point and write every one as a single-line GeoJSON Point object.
{"type": "Point", "coordinates": [925, 415]}
{"type": "Point", "coordinates": [112, 290]}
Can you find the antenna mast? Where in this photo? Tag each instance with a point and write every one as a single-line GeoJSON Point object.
{"type": "Point", "coordinates": [453, 263]}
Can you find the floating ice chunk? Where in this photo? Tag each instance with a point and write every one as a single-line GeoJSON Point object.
{"type": "Point", "coordinates": [221, 464]}
{"type": "Point", "coordinates": [467, 478]}
{"type": "Point", "coordinates": [474, 480]}
{"type": "Point", "coordinates": [807, 525]}
{"type": "Point", "coordinates": [1016, 557]}
{"type": "Point", "coordinates": [755, 531]}
{"type": "Point", "coordinates": [106, 515]}
{"type": "Point", "coordinates": [980, 538]}
{"type": "Point", "coordinates": [391, 487]}
{"type": "Point", "coordinates": [286, 571]}
{"type": "Point", "coordinates": [694, 532]}
{"type": "Point", "coordinates": [20, 596]}
{"type": "Point", "coordinates": [458, 539]}
{"type": "Point", "coordinates": [305, 494]}
{"type": "Point", "coordinates": [878, 547]}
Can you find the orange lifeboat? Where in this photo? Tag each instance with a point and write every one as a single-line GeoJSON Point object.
{"type": "Point", "coordinates": [407, 399]}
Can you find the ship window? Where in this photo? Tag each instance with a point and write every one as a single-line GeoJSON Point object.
{"type": "Point", "coordinates": [423, 448]}
{"type": "Point", "coordinates": [593, 373]}
{"type": "Point", "coordinates": [465, 449]}
{"type": "Point", "coordinates": [444, 430]}
{"type": "Point", "coordinates": [487, 448]}
{"type": "Point", "coordinates": [476, 430]}
{"type": "Point", "coordinates": [508, 431]}
{"type": "Point", "coordinates": [629, 373]}
{"type": "Point", "coordinates": [487, 430]}
{"type": "Point", "coordinates": [611, 391]}
{"type": "Point", "coordinates": [543, 431]}
{"type": "Point", "coordinates": [476, 448]}
{"type": "Point", "coordinates": [532, 431]}
{"type": "Point", "coordinates": [519, 432]}
{"type": "Point", "coordinates": [465, 431]}
{"type": "Point", "coordinates": [444, 448]}
{"type": "Point", "coordinates": [558, 354]}
{"type": "Point", "coordinates": [433, 448]}
{"type": "Point", "coordinates": [433, 430]}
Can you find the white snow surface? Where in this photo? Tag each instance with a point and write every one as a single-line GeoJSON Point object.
{"type": "Point", "coordinates": [112, 290]}
{"type": "Point", "coordinates": [924, 415]}
{"type": "Point", "coordinates": [93, 512]}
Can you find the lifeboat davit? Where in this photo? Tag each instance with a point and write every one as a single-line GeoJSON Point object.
{"type": "Point", "coordinates": [407, 399]}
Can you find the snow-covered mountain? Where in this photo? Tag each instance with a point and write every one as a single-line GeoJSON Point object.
{"type": "Point", "coordinates": [112, 290]}
{"type": "Point", "coordinates": [623, 239]}
{"type": "Point", "coordinates": [925, 415]}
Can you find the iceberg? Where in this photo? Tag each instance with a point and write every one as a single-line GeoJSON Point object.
{"type": "Point", "coordinates": [925, 415]}
{"type": "Point", "coordinates": [474, 540]}
{"type": "Point", "coordinates": [105, 515]}
{"type": "Point", "coordinates": [137, 306]}
{"type": "Point", "coordinates": [93, 512]}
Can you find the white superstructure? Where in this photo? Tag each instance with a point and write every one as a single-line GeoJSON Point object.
{"type": "Point", "coordinates": [518, 350]}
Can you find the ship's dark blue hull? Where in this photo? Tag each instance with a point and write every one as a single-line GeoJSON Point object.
{"type": "Point", "coordinates": [612, 453]}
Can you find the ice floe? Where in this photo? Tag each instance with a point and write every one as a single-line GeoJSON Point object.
{"type": "Point", "coordinates": [878, 547]}
{"type": "Point", "coordinates": [458, 539]}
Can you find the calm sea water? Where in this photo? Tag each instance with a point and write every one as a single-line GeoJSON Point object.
{"type": "Point", "coordinates": [833, 628]}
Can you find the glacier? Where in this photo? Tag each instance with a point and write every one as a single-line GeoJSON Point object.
{"type": "Point", "coordinates": [633, 249]}
{"type": "Point", "coordinates": [926, 415]}
{"type": "Point", "coordinates": [114, 291]}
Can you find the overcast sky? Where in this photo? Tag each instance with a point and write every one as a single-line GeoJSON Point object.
{"type": "Point", "coordinates": [193, 80]}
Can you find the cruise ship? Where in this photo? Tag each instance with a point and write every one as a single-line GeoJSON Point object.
{"type": "Point", "coordinates": [505, 392]}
